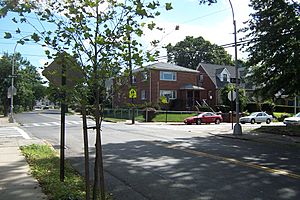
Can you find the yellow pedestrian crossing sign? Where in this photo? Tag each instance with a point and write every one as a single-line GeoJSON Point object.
{"type": "Point", "coordinates": [132, 93]}
{"type": "Point", "coordinates": [164, 100]}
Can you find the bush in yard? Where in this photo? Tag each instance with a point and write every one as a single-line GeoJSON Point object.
{"type": "Point", "coordinates": [149, 114]}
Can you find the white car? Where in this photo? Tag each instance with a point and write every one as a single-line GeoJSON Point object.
{"type": "Point", "coordinates": [292, 120]}
{"type": "Point", "coordinates": [257, 117]}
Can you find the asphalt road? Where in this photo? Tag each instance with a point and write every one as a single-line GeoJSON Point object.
{"type": "Point", "coordinates": [177, 162]}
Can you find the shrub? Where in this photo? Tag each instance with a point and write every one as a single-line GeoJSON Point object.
{"type": "Point", "coordinates": [149, 114]}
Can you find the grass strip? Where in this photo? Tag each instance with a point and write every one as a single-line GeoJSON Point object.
{"type": "Point", "coordinates": [280, 130]}
{"type": "Point", "coordinates": [45, 167]}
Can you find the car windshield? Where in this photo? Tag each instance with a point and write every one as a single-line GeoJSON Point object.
{"type": "Point", "coordinates": [253, 114]}
{"type": "Point", "coordinates": [298, 115]}
{"type": "Point", "coordinates": [202, 114]}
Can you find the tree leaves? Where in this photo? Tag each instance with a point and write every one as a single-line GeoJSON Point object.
{"type": "Point", "coordinates": [35, 37]}
{"type": "Point", "coordinates": [7, 35]}
{"type": "Point", "coordinates": [274, 54]}
{"type": "Point", "coordinates": [169, 6]}
{"type": "Point", "coordinates": [191, 51]}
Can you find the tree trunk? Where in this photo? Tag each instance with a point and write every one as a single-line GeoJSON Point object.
{"type": "Point", "coordinates": [99, 158]}
{"type": "Point", "coordinates": [86, 153]}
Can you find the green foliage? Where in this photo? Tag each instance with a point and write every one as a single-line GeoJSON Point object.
{"type": "Point", "coordinates": [27, 82]}
{"type": "Point", "coordinates": [225, 100]}
{"type": "Point", "coordinates": [44, 164]}
{"type": "Point", "coordinates": [171, 117]}
{"type": "Point", "coordinates": [281, 115]}
{"type": "Point", "coordinates": [273, 48]}
{"type": "Point", "coordinates": [45, 167]}
{"type": "Point", "coordinates": [192, 51]}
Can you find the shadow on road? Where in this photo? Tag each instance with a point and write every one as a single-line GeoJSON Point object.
{"type": "Point", "coordinates": [198, 168]}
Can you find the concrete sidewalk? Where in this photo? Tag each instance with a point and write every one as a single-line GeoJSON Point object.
{"type": "Point", "coordinates": [16, 182]}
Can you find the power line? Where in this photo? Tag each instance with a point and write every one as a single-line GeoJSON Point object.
{"type": "Point", "coordinates": [203, 16]}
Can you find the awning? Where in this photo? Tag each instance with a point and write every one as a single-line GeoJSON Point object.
{"type": "Point", "coordinates": [191, 87]}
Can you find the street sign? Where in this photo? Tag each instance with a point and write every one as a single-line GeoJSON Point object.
{"type": "Point", "coordinates": [132, 93]}
{"type": "Point", "coordinates": [73, 71]}
{"type": "Point", "coordinates": [231, 95]}
{"type": "Point", "coordinates": [164, 100]}
{"type": "Point", "coordinates": [11, 91]}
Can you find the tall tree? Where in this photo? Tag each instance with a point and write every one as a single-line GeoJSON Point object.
{"type": "Point", "coordinates": [191, 51]}
{"type": "Point", "coordinates": [28, 82]}
{"type": "Point", "coordinates": [5, 83]}
{"type": "Point", "coordinates": [274, 48]}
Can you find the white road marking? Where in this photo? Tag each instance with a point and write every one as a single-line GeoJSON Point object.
{"type": "Point", "coordinates": [22, 132]}
{"type": "Point", "coordinates": [10, 132]}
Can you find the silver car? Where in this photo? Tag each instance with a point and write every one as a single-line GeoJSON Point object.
{"type": "Point", "coordinates": [257, 117]}
{"type": "Point", "coordinates": [292, 120]}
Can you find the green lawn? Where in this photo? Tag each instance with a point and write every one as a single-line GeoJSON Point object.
{"type": "Point", "coordinates": [281, 115]}
{"type": "Point", "coordinates": [171, 117]}
{"type": "Point", "coordinates": [161, 117]}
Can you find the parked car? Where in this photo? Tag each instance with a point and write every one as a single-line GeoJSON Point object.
{"type": "Point", "coordinates": [257, 117]}
{"type": "Point", "coordinates": [205, 117]}
{"type": "Point", "coordinates": [292, 120]}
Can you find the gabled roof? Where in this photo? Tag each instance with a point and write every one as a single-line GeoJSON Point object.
{"type": "Point", "coordinates": [212, 70]}
{"type": "Point", "coordinates": [167, 67]}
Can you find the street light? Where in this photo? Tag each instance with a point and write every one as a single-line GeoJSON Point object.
{"type": "Point", "coordinates": [11, 118]}
{"type": "Point", "coordinates": [237, 127]}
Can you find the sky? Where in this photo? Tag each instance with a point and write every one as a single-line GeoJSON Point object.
{"type": "Point", "coordinates": [214, 23]}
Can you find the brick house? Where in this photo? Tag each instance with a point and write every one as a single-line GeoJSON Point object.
{"type": "Point", "coordinates": [184, 87]}
{"type": "Point", "coordinates": [179, 84]}
{"type": "Point", "coordinates": [214, 77]}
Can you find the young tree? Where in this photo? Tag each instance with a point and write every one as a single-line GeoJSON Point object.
{"type": "Point", "coordinates": [191, 51]}
{"type": "Point", "coordinates": [227, 102]}
{"type": "Point", "coordinates": [102, 35]}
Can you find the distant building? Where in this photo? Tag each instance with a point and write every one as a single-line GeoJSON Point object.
{"type": "Point", "coordinates": [178, 84]}
{"type": "Point", "coordinates": [183, 87]}
{"type": "Point", "coordinates": [215, 77]}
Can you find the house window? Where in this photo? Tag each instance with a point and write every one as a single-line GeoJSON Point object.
{"type": "Point", "coordinates": [143, 94]}
{"type": "Point", "coordinates": [144, 76]}
{"type": "Point", "coordinates": [133, 79]}
{"type": "Point", "coordinates": [201, 78]}
{"type": "Point", "coordinates": [167, 76]}
{"type": "Point", "coordinates": [170, 94]}
{"type": "Point", "coordinates": [210, 96]}
{"type": "Point", "coordinates": [224, 77]}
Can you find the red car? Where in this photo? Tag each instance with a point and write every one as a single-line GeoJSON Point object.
{"type": "Point", "coordinates": [205, 117]}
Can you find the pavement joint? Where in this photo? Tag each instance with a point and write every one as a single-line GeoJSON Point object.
{"type": "Point", "coordinates": [16, 180]}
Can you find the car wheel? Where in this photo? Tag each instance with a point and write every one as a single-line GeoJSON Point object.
{"type": "Point", "coordinates": [198, 121]}
{"type": "Point", "coordinates": [268, 121]}
{"type": "Point", "coordinates": [252, 121]}
{"type": "Point", "coordinates": [218, 121]}
{"type": "Point", "coordinates": [258, 122]}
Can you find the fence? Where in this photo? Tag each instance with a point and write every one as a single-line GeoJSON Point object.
{"type": "Point", "coordinates": [127, 113]}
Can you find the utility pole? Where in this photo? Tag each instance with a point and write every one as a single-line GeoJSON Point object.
{"type": "Point", "coordinates": [130, 68]}
{"type": "Point", "coordinates": [237, 127]}
{"type": "Point", "coordinates": [11, 118]}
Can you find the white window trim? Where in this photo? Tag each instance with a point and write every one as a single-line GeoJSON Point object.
{"type": "Point", "coordinates": [133, 79]}
{"type": "Point", "coordinates": [144, 76]}
{"type": "Point", "coordinates": [143, 95]}
{"type": "Point", "coordinates": [173, 93]}
{"type": "Point", "coordinates": [161, 76]}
